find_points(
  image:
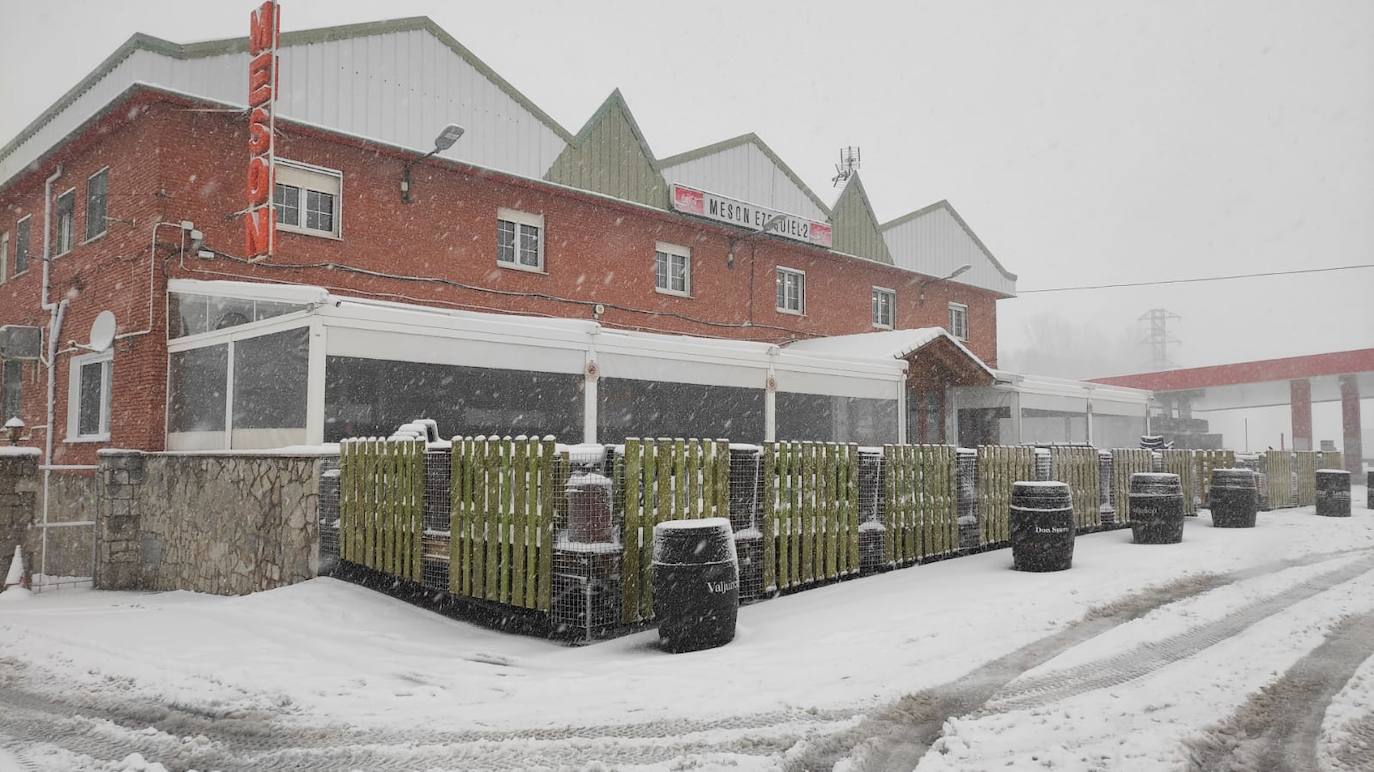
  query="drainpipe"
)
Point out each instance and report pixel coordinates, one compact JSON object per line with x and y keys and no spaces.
{"x":57,"y":311}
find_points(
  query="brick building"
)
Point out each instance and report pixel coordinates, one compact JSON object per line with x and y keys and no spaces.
{"x":127,"y":196}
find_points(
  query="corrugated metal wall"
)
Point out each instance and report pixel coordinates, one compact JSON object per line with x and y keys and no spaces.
{"x":747,"y":173}
{"x":607,"y":156}
{"x":936,"y":244}
{"x":856,"y":229}
{"x":399,"y":87}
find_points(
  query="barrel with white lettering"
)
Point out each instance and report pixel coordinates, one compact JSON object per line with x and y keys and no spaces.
{"x":1156,"y":508}
{"x":1233,"y":498}
{"x":1333,"y":493}
{"x":696,"y":583}
{"x":1042,"y":527}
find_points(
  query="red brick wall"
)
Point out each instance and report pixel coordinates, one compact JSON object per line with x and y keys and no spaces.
{"x":187,"y":165}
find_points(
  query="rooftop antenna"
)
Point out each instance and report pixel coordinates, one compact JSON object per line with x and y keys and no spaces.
{"x":849,"y":163}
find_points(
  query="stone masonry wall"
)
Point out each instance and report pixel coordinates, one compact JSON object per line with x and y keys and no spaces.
{"x":224,"y":524}
{"x":18,"y":504}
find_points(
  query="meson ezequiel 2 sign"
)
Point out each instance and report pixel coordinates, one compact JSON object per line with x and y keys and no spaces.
{"x":260,"y":222}
{"x":746,"y":215}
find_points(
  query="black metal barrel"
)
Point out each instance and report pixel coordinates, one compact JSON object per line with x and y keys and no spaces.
{"x":1233,"y":498}
{"x":1369,"y":489}
{"x":1042,"y":527}
{"x":696,"y":583}
{"x":1156,"y":508}
{"x":1333,"y":493}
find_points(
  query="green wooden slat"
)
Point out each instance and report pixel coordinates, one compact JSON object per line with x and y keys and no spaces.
{"x":722,"y":474}
{"x":808,"y":510}
{"x":769,"y":526}
{"x":630,"y":538}
{"x":652,"y":502}
{"x":547,"y":496}
{"x":682,"y":509}
{"x":691,"y":490}
{"x":854,"y":555}
{"x":519,"y":520}
{"x":503,"y":555}
{"x":784,"y":512}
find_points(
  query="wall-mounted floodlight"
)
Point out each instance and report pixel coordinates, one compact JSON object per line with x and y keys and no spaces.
{"x":922,"y":286}
{"x":444,"y":141}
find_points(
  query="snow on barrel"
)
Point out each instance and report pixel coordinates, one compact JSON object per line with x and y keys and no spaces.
{"x":696,"y":583}
{"x":1233,"y":498}
{"x":1333,"y":493}
{"x":1042,"y":527}
{"x":1156,"y":508}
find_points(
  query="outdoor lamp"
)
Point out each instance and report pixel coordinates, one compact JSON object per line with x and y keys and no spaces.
{"x":922,"y":286}
{"x":443,"y":142}
{"x":13,"y":429}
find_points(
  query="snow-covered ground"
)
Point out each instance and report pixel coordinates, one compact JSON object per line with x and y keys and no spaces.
{"x":1135,"y":659}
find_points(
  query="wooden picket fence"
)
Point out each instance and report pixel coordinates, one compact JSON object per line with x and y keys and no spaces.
{"x":810,"y":513}
{"x":1206,"y":461}
{"x":920,"y":514}
{"x":1181,"y":462}
{"x":503,"y":493}
{"x":1077,"y":466}
{"x":381,"y":505}
{"x":665,"y":479}
{"x":1305,"y":465}
{"x":1000,"y":466}
{"x":1126,"y":462}
{"x":1278,"y":472}
{"x":1332,"y":459}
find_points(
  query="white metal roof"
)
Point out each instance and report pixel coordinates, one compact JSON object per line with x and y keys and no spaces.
{"x":885,"y":344}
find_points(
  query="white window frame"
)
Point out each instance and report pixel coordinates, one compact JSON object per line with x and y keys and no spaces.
{"x":105,"y":219}
{"x":962,"y":310}
{"x":301,"y":176}
{"x":24,"y":224}
{"x":891,"y":308}
{"x":58,"y":250}
{"x":671,"y":251}
{"x":105,"y":358}
{"x":4,"y":257}
{"x":801,"y":294}
{"x":528,"y":219}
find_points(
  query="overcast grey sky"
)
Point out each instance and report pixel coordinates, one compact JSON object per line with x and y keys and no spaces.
{"x":1085,"y":142}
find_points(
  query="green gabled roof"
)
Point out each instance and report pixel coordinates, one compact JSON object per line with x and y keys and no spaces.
{"x":141,"y":42}
{"x":610,"y":155}
{"x":746,"y":139}
{"x":945,"y":205}
{"x":856,"y":230}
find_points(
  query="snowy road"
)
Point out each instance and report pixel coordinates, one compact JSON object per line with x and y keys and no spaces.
{"x":1234,"y":650}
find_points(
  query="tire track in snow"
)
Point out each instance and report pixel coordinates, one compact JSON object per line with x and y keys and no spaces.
{"x":1148,"y":657}
{"x":897,"y":736}
{"x":1277,"y":728}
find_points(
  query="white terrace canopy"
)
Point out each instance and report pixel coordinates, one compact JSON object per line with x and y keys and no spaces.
{"x":259,"y":365}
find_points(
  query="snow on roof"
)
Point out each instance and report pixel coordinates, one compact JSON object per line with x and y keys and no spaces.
{"x":887,"y":344}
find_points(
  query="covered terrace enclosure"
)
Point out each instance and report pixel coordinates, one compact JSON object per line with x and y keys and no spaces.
{"x":261,"y":366}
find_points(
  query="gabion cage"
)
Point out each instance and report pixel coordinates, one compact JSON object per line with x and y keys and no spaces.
{"x":1106,"y":508}
{"x":587,"y":554}
{"x":966,"y":475}
{"x":871,"y":481}
{"x":329,"y":517}
{"x":746,"y":510}
{"x":438,"y":507}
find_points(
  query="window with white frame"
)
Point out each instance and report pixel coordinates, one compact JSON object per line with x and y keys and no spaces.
{"x":672,"y":269}
{"x":88,"y":405}
{"x":14,"y":389}
{"x":97,"y":194}
{"x":791,"y":285}
{"x":308,"y":199}
{"x":883,"y":302}
{"x":958,"y":320}
{"x":520,"y":240}
{"x":66,"y":222}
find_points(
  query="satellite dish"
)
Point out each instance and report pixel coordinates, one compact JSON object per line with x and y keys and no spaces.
{"x":102,"y":331}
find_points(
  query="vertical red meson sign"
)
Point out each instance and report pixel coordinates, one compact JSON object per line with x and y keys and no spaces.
{"x":264,"y":30}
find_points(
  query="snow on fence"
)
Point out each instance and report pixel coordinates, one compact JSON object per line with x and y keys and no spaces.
{"x":1305,"y":466}
{"x":1126,"y":462}
{"x":1077,"y":467}
{"x":381,"y":505}
{"x":921,"y":514}
{"x":810,"y":513}
{"x":664,"y":479}
{"x":1183,"y":463}
{"x":500,"y":539}
{"x":999,"y":467}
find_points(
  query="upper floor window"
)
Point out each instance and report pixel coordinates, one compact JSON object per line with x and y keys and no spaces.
{"x":66,"y":222}
{"x":791,"y":285}
{"x":96,"y":194}
{"x":883,"y":302}
{"x":958,"y":320}
{"x":520,"y":240}
{"x":4,"y":257}
{"x":307,"y":199}
{"x":21,"y":245}
{"x":13,"y":394}
{"x":88,"y":406}
{"x":673,"y":269}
